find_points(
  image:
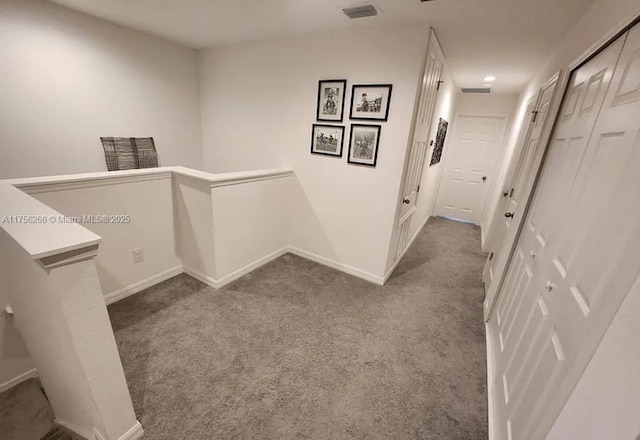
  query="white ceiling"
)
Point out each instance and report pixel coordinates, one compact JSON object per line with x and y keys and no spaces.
{"x":505,"y":38}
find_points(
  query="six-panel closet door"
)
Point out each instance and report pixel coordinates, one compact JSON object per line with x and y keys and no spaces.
{"x":579,"y":250}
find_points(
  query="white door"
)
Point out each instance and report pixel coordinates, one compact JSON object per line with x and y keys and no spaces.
{"x":422,"y":127}
{"x":579,"y":250}
{"x":517,"y":195}
{"x":469,"y":166}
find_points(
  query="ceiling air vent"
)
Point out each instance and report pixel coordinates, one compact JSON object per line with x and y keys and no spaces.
{"x":476,"y":90}
{"x":360,"y":11}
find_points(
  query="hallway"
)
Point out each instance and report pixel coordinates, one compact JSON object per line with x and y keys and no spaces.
{"x":296,"y":350}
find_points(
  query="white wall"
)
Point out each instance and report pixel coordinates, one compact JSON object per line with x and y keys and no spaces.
{"x":148,"y":201}
{"x":194,"y":225}
{"x":14,"y":358}
{"x":430,"y":181}
{"x":250,"y":223}
{"x":258,"y":104}
{"x":606,"y":401}
{"x":67,"y":79}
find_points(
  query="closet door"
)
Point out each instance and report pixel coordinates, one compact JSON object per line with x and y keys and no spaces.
{"x":560,"y":274}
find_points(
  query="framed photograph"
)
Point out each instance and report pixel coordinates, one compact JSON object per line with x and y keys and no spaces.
{"x":370,"y":102}
{"x":331,"y":99}
{"x":436,"y":155}
{"x":327,"y":139}
{"x":363,"y":144}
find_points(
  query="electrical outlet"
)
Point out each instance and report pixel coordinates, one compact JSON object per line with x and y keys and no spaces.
{"x":138,"y":255}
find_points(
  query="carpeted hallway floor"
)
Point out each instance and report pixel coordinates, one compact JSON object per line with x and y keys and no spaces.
{"x":296,"y":350}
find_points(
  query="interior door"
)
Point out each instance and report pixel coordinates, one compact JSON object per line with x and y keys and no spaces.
{"x":469,"y":166}
{"x":578,"y":253}
{"x":518,"y":194}
{"x":422,"y":128}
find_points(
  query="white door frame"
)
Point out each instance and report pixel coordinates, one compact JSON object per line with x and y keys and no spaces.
{"x":448,"y":145}
{"x":433,"y":45}
{"x":508,"y":246}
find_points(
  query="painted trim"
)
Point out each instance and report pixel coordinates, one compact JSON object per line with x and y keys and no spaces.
{"x":66,"y":426}
{"x":236,"y":178}
{"x":136,"y":432}
{"x":490,"y":392}
{"x":388,"y":274}
{"x":69,"y":257}
{"x":201,"y":277}
{"x":31,"y":374}
{"x":606,"y":39}
{"x":141,"y":285}
{"x":408,"y":214}
{"x":65,"y":183}
{"x":338,"y":266}
{"x":483,"y":240}
{"x":250,"y":267}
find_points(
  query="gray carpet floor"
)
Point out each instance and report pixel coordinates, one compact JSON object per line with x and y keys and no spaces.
{"x":25,"y":413}
{"x":296,"y":350}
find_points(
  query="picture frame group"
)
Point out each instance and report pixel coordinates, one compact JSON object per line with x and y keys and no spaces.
{"x":369,"y":102}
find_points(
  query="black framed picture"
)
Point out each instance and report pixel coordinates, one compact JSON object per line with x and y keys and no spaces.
{"x":327,"y":139}
{"x":363,"y":144}
{"x":331,"y":99}
{"x":370,"y":102}
{"x":441,"y":135}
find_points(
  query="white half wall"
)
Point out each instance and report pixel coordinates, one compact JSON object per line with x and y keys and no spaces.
{"x":258,"y":104}
{"x":147,"y":202}
{"x":250,"y":224}
{"x":67,"y":79}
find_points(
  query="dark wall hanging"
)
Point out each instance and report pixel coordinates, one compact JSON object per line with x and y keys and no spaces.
{"x":439,"y":145}
{"x":123,"y":153}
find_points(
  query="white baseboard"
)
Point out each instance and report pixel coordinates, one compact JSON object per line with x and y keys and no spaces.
{"x":338,"y":266}
{"x":490,"y":384}
{"x":33,"y":373}
{"x":201,"y":277}
{"x":74,"y":429}
{"x":250,"y":267}
{"x":136,"y":432}
{"x":395,"y":264}
{"x":141,"y":285}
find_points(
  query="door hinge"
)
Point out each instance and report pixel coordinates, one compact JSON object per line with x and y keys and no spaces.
{"x":418,"y":190}
{"x":439,"y":84}
{"x":535,"y":116}
{"x":491,"y":256}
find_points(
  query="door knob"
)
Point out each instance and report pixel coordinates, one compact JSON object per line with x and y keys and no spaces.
{"x":406,"y":201}
{"x":484,"y":178}
{"x":532,"y":255}
{"x":508,"y":214}
{"x":549,"y":287}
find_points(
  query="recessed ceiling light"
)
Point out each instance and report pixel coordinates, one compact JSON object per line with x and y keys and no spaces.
{"x":489,"y":78}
